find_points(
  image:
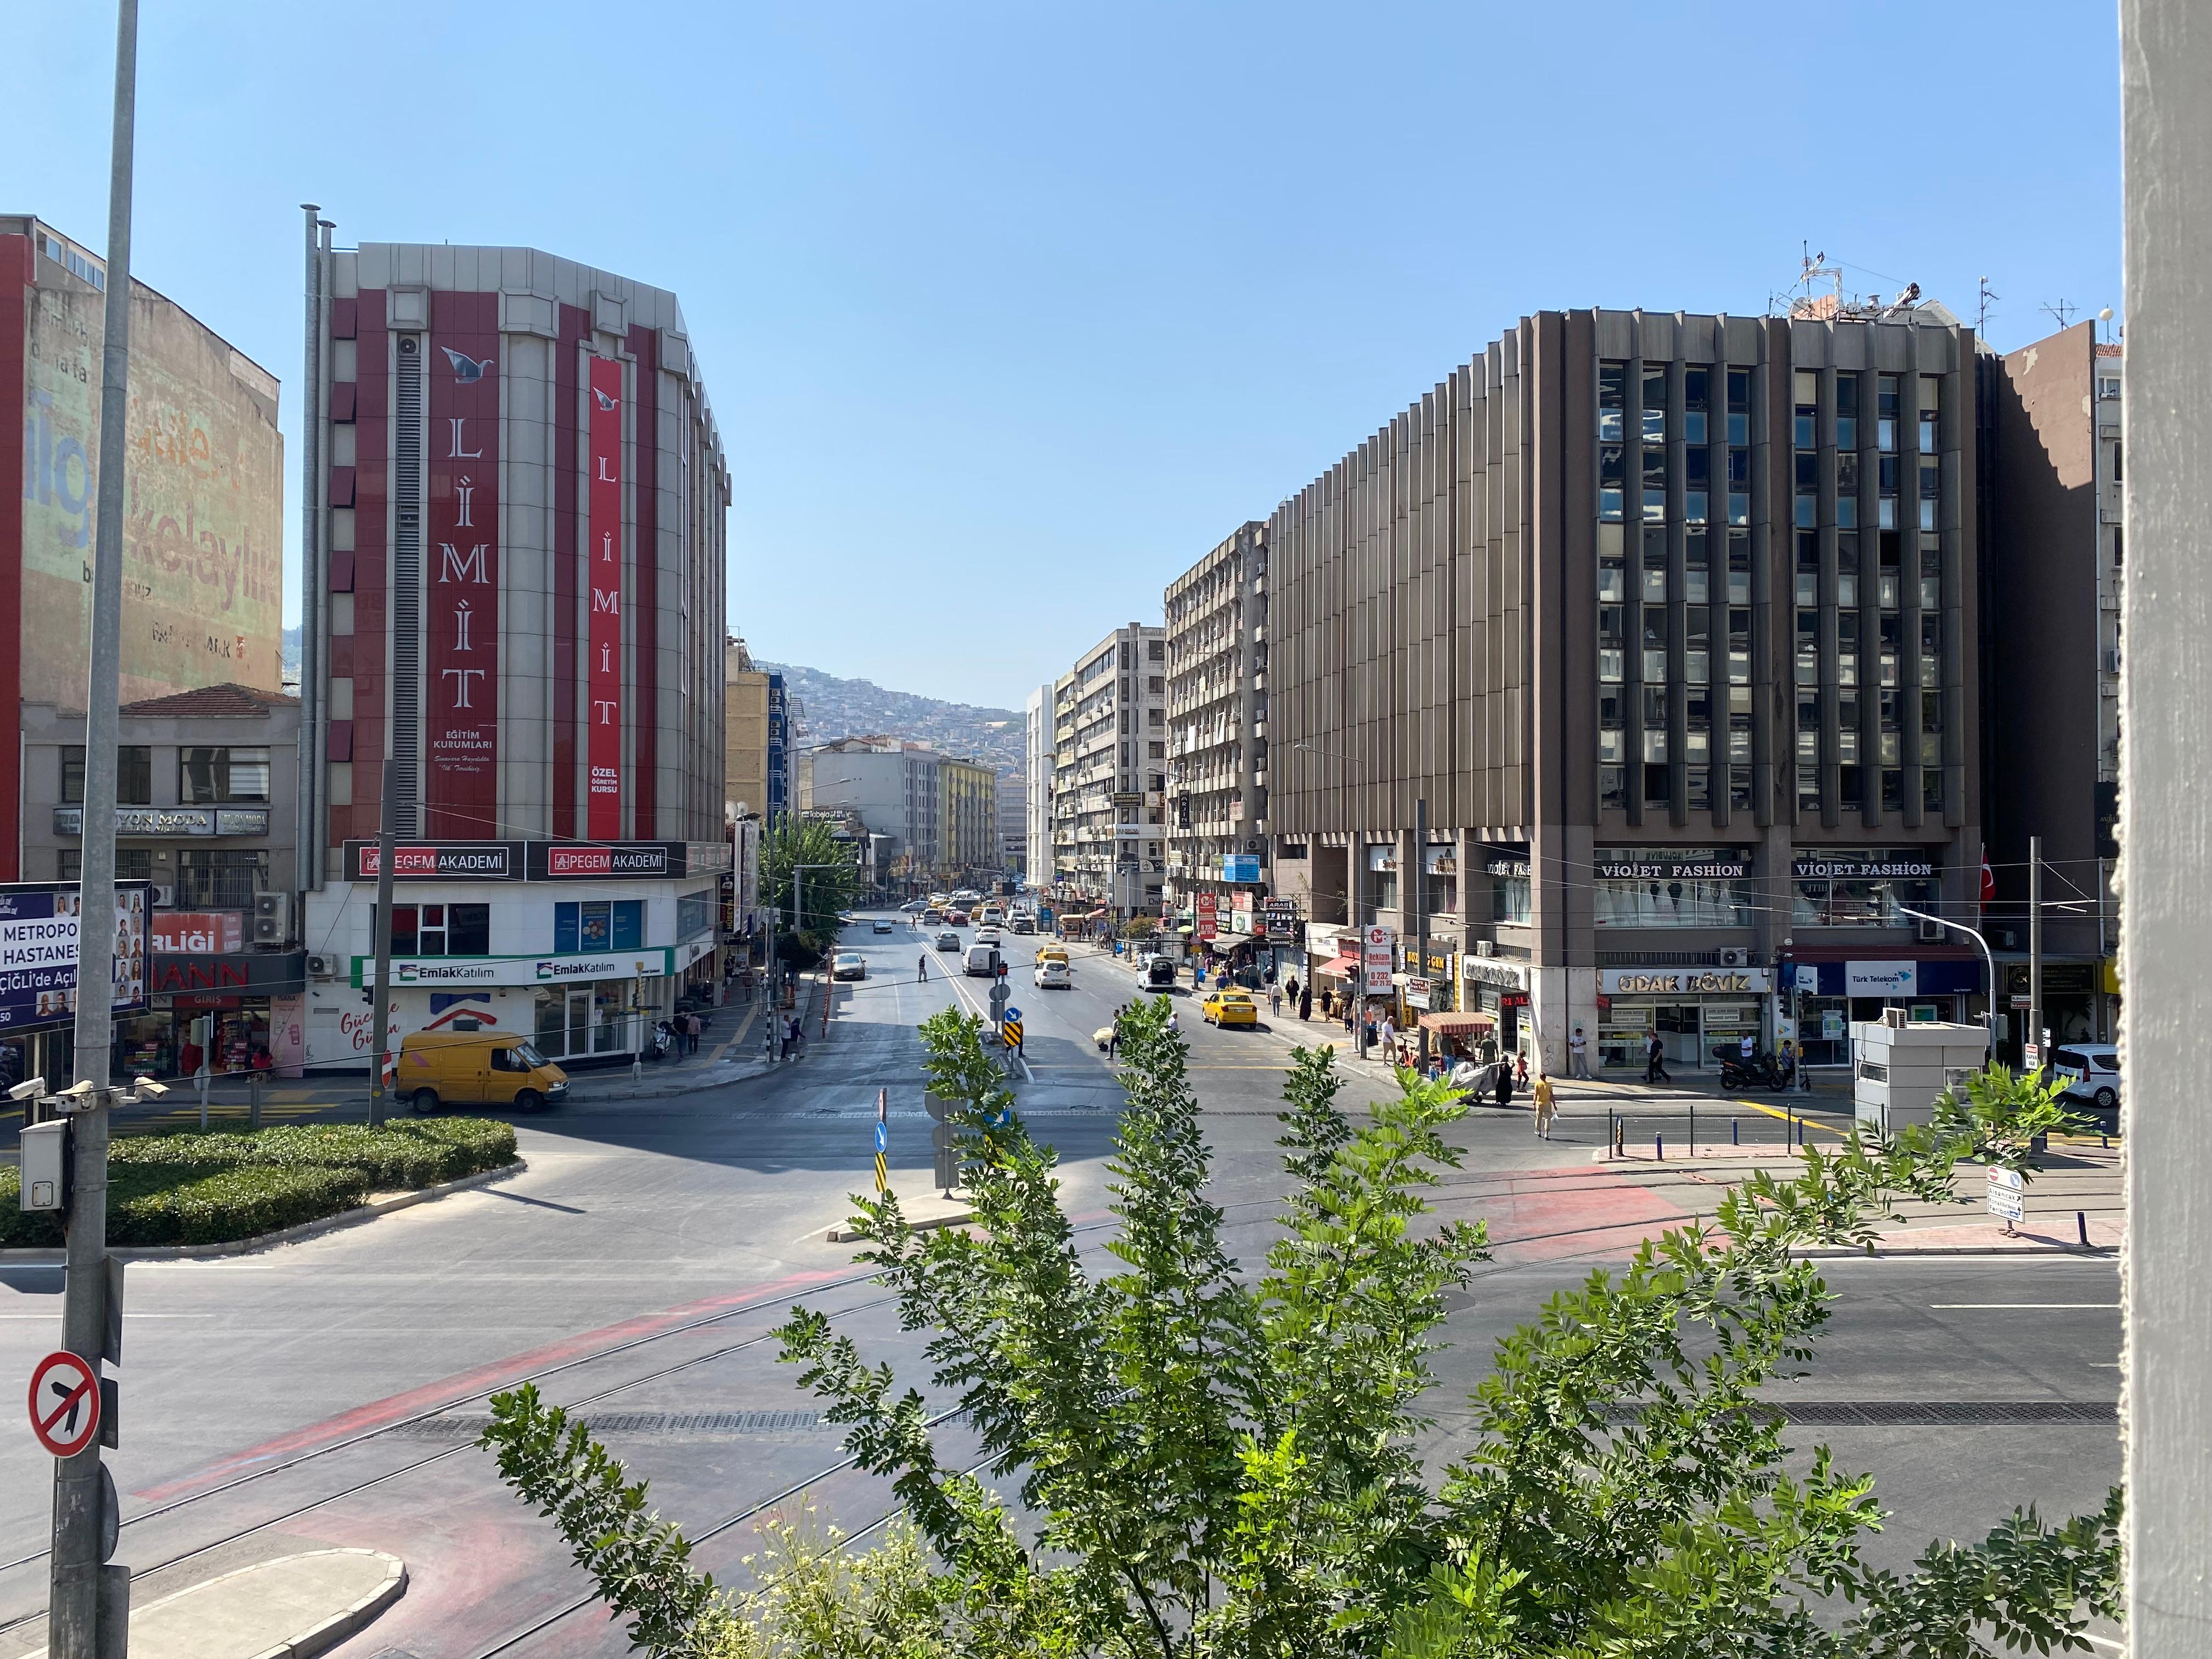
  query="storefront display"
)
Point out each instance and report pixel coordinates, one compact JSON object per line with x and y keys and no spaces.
{"x":1671,"y":887}
{"x":1827,"y":996}
{"x":1692,"y":1010}
{"x":1854,"y":887}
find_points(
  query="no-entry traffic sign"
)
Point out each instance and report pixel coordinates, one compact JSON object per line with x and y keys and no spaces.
{"x":64,"y":1402}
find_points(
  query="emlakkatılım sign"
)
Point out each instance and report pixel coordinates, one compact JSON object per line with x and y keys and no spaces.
{"x":650,"y":963}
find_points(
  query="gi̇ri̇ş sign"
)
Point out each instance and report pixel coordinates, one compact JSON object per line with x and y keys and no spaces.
{"x":39,"y":933}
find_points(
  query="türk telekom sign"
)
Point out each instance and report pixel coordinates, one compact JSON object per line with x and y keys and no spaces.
{"x":603,"y":572}
{"x":461,"y":627}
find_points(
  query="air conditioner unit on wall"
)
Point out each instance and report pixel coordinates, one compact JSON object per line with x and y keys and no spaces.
{"x":272,"y":918}
{"x":323,"y":966}
{"x":1735,"y":957}
{"x":165,"y":897}
{"x":1931,"y":932}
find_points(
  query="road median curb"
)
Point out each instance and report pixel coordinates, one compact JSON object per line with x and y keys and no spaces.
{"x":368,"y":1211}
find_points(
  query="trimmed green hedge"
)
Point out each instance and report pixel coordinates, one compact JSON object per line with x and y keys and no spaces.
{"x":213,"y":1189}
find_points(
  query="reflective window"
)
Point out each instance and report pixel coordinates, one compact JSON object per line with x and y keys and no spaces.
{"x":1612,"y":401}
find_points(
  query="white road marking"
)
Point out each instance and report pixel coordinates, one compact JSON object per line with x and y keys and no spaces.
{"x":1966,"y":1306}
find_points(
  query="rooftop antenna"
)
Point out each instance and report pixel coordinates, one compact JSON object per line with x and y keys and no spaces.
{"x":1989,"y":296}
{"x":2062,"y":310}
{"x":2105,"y":318}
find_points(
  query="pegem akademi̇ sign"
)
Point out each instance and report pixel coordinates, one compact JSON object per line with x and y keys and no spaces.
{"x":603,"y":581}
{"x":445,"y":860}
{"x":461,"y":629}
{"x":555,"y":860}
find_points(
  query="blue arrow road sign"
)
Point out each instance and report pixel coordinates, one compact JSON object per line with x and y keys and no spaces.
{"x":1011,"y":1013}
{"x":883,"y":1137}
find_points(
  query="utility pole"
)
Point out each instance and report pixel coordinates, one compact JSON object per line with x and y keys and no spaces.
{"x":380,"y":995}
{"x":1421,"y":896}
{"x":88,"y":1604}
{"x":2035,"y":951}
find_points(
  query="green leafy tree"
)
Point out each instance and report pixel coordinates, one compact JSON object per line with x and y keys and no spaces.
{"x":2004,"y":1117}
{"x":1179,"y":1461}
{"x":823,"y":890}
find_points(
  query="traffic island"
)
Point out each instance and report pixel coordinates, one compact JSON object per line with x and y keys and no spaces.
{"x":292,"y":1607}
{"x":220,"y":1189}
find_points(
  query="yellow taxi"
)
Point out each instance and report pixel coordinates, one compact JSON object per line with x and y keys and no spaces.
{"x":1230,"y":1008}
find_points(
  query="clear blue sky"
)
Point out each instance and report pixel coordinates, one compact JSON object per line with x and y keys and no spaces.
{"x":1009,"y":313}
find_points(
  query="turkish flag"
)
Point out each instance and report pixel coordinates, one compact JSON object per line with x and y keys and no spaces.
{"x":1989,"y":882}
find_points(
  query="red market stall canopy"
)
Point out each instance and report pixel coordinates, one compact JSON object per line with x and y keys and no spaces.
{"x":1465,"y":1024}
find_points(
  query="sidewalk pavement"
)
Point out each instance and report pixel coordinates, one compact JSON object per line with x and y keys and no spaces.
{"x":2078,"y":1195}
{"x":729,"y":1053}
{"x":291,"y":1608}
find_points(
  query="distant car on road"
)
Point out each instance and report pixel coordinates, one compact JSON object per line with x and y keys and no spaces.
{"x":987,"y":935}
{"x":914,"y":906}
{"x":956,"y":918}
{"x":1023,"y":924}
{"x":881,"y":927}
{"x":978,"y":960}
{"x":2092,"y":1071}
{"x":1160,"y":974}
{"x":948,"y":940}
{"x":848,"y":964}
{"x":1053,"y":976}
{"x":1230,"y":1008}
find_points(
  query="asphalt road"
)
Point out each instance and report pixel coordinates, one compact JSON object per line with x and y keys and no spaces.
{"x":326,"y":1392}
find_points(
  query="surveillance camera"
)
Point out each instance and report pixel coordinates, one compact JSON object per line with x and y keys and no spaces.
{"x":29,"y":1089}
{"x":78,"y":1089}
{"x":148,"y":1084}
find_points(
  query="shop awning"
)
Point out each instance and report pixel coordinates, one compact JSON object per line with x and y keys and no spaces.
{"x":1463,"y":1023}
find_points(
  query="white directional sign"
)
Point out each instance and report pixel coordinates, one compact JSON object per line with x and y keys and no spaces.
{"x":2007,"y":1194}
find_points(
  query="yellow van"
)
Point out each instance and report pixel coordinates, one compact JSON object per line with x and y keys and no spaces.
{"x":475,"y":1069}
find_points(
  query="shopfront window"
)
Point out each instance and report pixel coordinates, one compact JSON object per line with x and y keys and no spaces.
{"x":1511,"y":898}
{"x":599,"y":924}
{"x":1672,"y":887}
{"x":220,"y":878}
{"x":205,"y":776}
{"x":440,"y":930}
{"x":134,"y":775}
{"x":1862,"y":887}
{"x":1382,"y":877}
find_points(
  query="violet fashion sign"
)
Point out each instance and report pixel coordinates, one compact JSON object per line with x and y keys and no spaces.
{"x":1686,"y":864}
{"x":461,"y":545}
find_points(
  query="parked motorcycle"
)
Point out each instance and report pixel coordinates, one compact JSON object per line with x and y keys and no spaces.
{"x":1759,"y":1071}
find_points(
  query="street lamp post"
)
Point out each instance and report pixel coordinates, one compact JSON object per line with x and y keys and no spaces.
{"x":1990,"y":1013}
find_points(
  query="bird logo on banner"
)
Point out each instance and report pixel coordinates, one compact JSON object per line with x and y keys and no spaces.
{"x":467,"y":371}
{"x":605,"y":402}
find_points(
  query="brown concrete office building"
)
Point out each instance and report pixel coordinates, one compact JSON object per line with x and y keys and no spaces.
{"x":1670,"y":622}
{"x":2053,"y":719}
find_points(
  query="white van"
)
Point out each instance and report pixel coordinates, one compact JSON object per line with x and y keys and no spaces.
{"x":979,"y":959}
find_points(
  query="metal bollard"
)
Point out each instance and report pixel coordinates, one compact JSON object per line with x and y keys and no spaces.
{"x":1735,"y":1134}
{"x":1659,"y":1148}
{"x":254,"y":1101}
{"x":1610,"y":1147}
{"x":2081,"y":1226}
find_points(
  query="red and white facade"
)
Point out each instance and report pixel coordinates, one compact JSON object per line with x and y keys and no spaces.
{"x":515,"y":579}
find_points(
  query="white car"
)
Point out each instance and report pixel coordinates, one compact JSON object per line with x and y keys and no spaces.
{"x":2092,"y":1071}
{"x":987,"y":935}
{"x":1053,"y":976}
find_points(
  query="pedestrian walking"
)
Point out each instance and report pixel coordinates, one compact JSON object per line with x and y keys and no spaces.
{"x":1505,"y":1084}
{"x":921,"y":967}
{"x":1545,"y":1108}
{"x":1654,"y":1060}
{"x":1347,"y":1016}
{"x":1275,"y":1001}
{"x":1389,"y":1032}
{"x":786,"y":1026}
{"x":1578,"y":1054}
{"x":1521,"y":1069}
{"x":1290,"y":987}
{"x":1305,"y":1003}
